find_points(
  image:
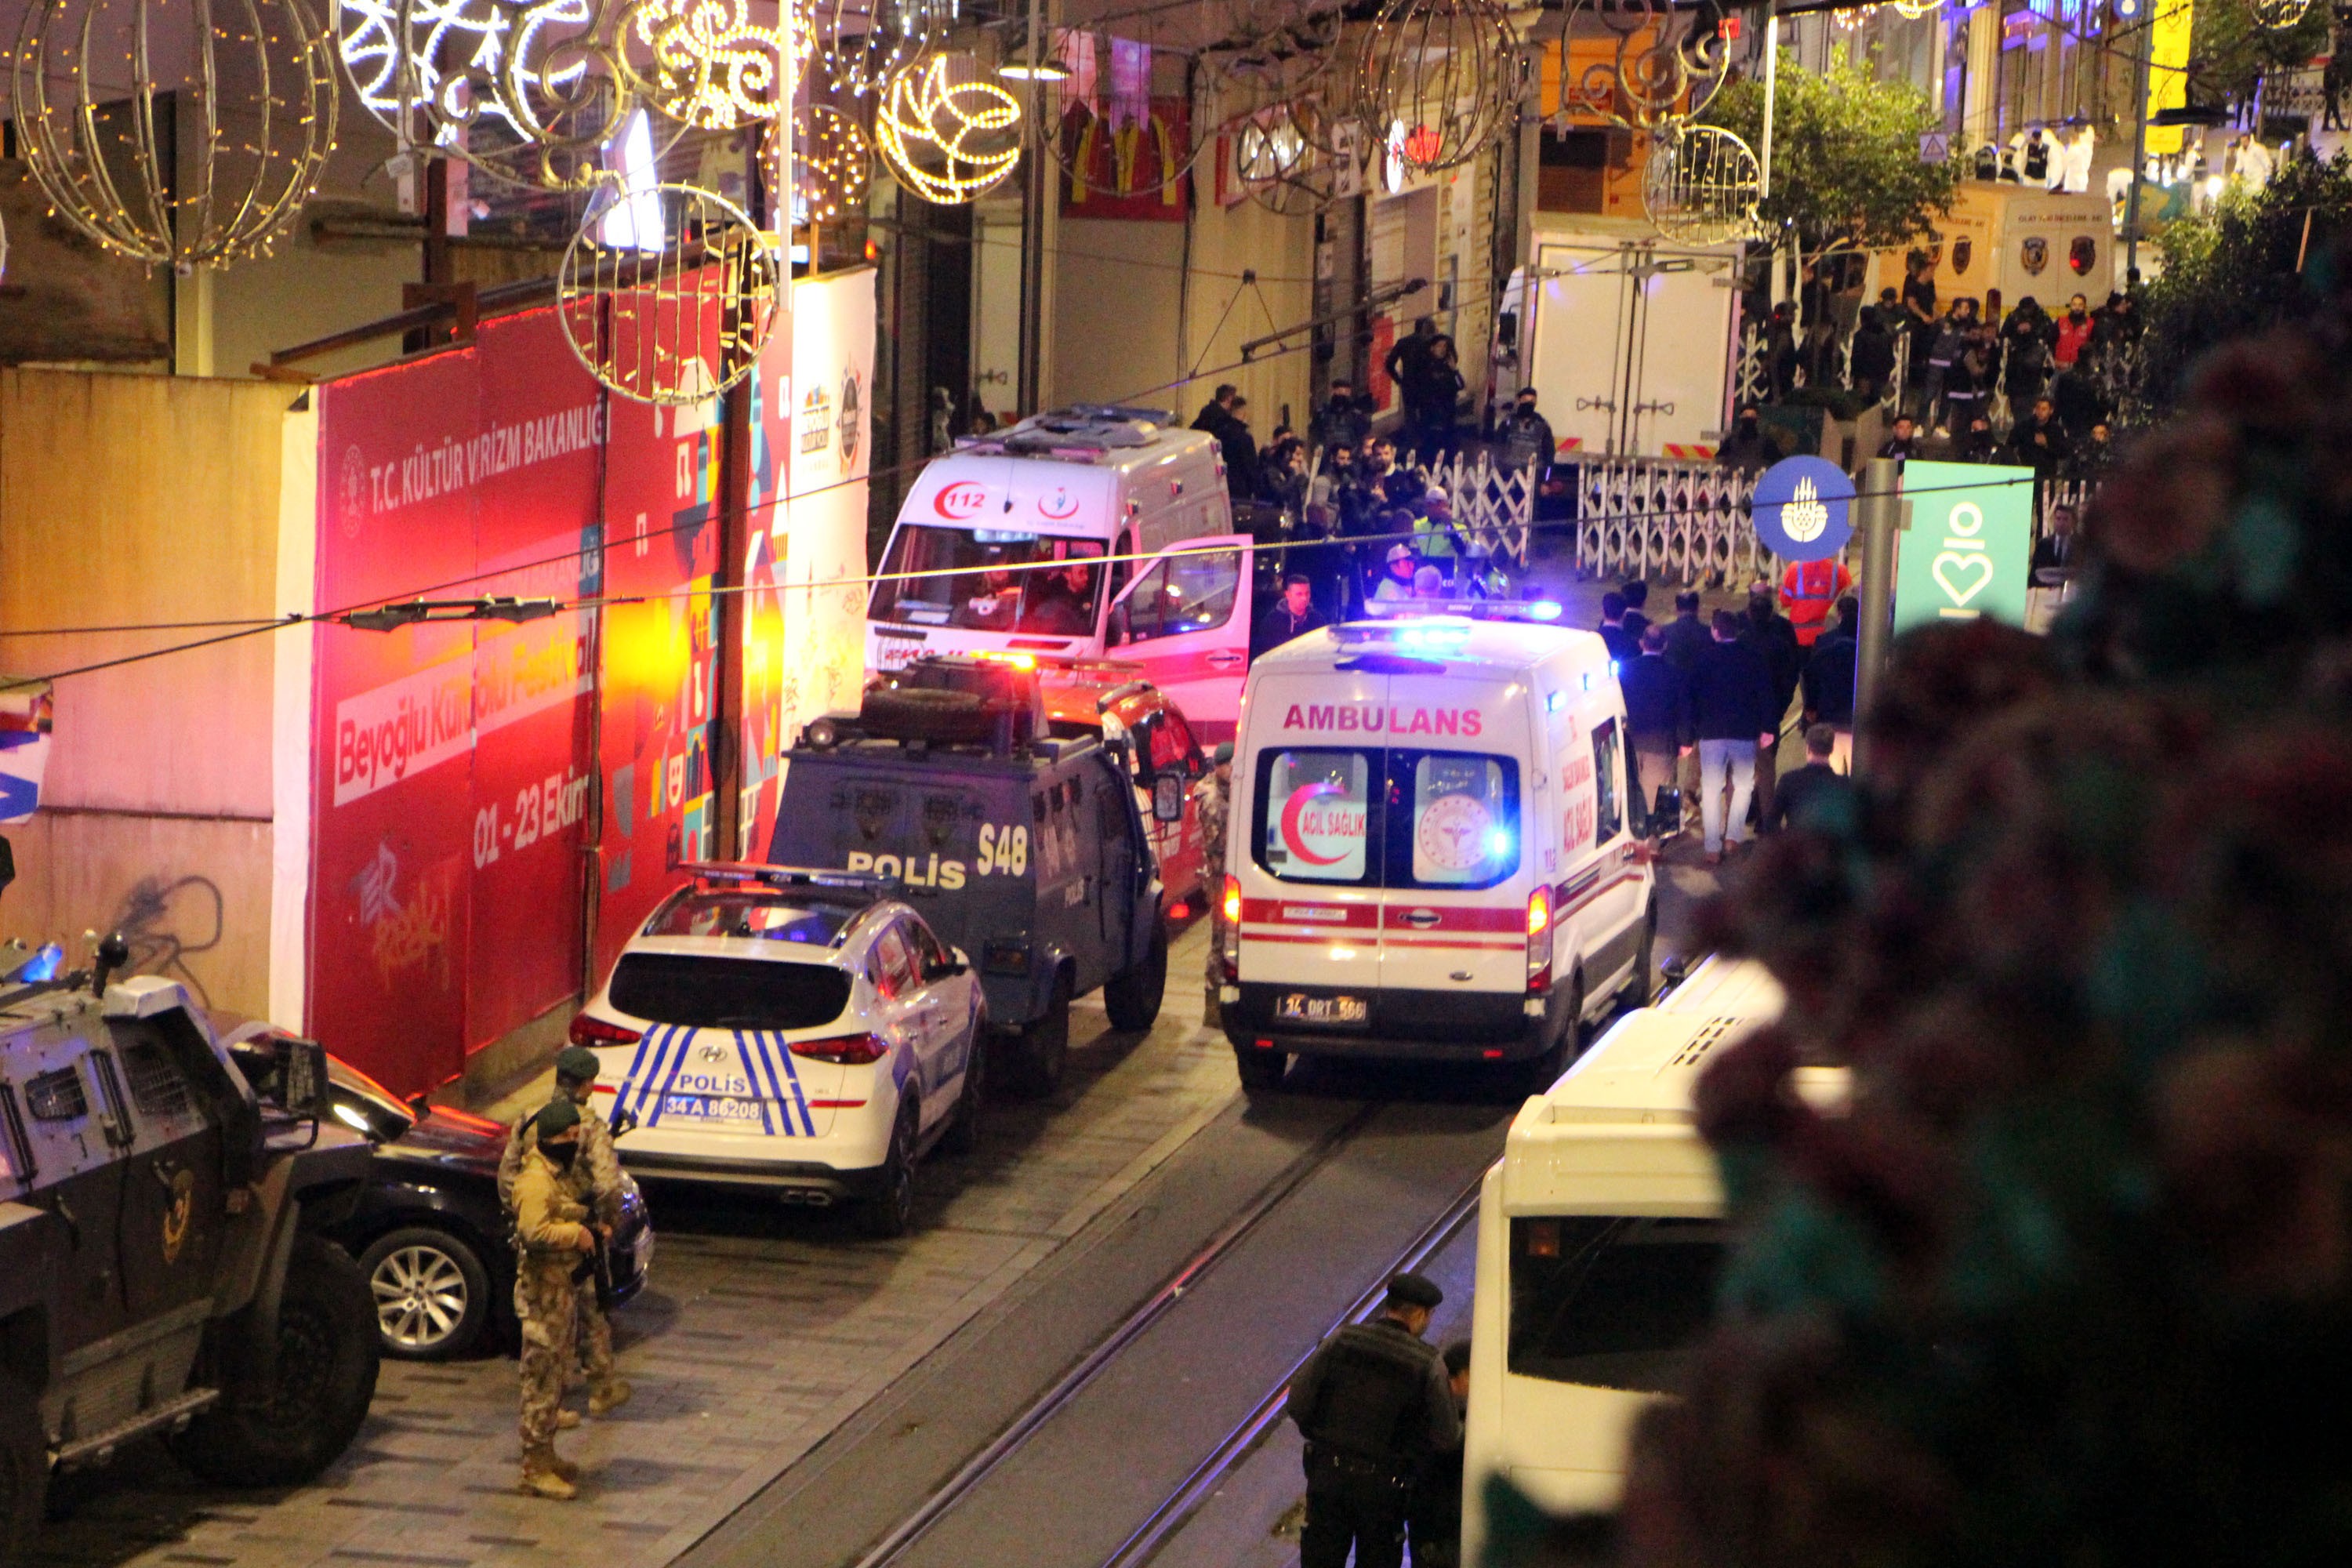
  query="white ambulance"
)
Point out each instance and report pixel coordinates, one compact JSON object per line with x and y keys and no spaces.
{"x":1430,"y":852}
{"x":1075,"y":533}
{"x":1600,"y":1242}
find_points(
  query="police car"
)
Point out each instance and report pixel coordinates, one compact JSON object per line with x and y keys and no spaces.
{"x":798,"y":1032}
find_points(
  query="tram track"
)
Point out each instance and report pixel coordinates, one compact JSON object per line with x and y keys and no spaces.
{"x":902,"y":1538}
{"x":1170,"y":1517}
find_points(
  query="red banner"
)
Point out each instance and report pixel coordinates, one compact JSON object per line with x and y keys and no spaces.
{"x":660,"y":679}
{"x":452,"y":768}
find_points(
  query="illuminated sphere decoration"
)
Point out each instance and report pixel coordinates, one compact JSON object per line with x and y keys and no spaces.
{"x":863,"y":44}
{"x":256,"y":95}
{"x":1444,"y":69}
{"x":529,"y":91}
{"x":1666,"y":64}
{"x":667,"y":293}
{"x":1702,"y":186}
{"x":2279,"y":15}
{"x":1912,"y":10}
{"x":945,"y":130}
{"x":710,"y":65}
{"x":833,"y":164}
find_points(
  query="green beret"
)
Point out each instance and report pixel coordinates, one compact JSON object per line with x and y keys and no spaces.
{"x":578,"y":1064}
{"x":557,"y":1117}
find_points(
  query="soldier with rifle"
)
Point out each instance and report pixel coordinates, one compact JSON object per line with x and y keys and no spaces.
{"x":593,"y":1180}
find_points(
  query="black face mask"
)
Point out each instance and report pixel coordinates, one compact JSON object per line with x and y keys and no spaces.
{"x":2076,"y":316}
{"x":1747,"y":425}
{"x":1527,"y":409}
{"x":561,"y":1154}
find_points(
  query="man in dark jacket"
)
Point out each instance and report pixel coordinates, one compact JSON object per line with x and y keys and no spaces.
{"x":1434,"y":1517}
{"x":1637,"y":600}
{"x":1526,"y":437}
{"x":2040,"y":441}
{"x":1291,"y":615}
{"x":1685,"y":633}
{"x":1375,"y":1407}
{"x":1748,"y":448}
{"x":1808,"y":790}
{"x":1730,"y":722}
{"x":1340,"y":423}
{"x":1217,"y":410}
{"x":1622,"y":647}
{"x":1239,"y":448}
{"x":1829,"y":682}
{"x":1655,"y":697}
{"x":1774,"y":635}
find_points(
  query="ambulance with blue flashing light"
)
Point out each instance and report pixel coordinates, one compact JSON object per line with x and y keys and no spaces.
{"x":803,"y":1033}
{"x":1075,"y":532}
{"x":1432,"y":851}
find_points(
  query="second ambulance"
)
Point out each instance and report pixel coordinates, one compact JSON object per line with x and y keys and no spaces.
{"x":1431,"y":850}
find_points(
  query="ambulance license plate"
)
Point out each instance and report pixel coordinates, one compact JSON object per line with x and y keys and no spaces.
{"x":1297,"y":1007}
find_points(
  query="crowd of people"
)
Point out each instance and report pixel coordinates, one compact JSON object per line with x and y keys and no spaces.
{"x":1966,"y":379}
{"x":1705,"y":700}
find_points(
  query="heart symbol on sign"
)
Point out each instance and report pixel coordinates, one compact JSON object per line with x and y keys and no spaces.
{"x":1979,"y":564}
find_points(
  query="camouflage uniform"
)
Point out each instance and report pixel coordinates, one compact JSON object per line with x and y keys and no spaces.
{"x":593,"y":1180}
{"x":1214,"y":796}
{"x":549,"y":1225}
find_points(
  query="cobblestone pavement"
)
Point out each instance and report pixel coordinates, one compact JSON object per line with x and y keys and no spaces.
{"x":759,"y":1331}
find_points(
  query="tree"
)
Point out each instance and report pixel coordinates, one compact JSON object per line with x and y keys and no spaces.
{"x":2054,"y":1287}
{"x":2233,"y":271}
{"x":2232,"y":49}
{"x":1848,"y":172}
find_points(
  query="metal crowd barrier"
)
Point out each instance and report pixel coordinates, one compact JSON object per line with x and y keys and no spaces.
{"x":1687,"y":522}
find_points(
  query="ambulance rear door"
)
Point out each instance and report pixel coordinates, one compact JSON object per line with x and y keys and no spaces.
{"x":1455,"y":910}
{"x":1186,"y":620}
{"x":1601,"y":900}
{"x":1309,"y":852}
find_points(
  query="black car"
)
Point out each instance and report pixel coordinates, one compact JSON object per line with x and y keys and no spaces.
{"x":429,"y":1230}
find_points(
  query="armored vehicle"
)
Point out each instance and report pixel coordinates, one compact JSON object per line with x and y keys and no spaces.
{"x":1027,"y":852}
{"x":161,"y":1269}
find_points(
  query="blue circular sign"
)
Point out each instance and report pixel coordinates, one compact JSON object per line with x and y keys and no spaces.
{"x":1804,"y":509}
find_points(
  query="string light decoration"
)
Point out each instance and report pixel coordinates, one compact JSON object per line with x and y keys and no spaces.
{"x":259,"y":87}
{"x":1912,"y":10}
{"x":864,"y":43}
{"x":945,"y":130}
{"x":1444,"y":71}
{"x":1702,"y":186}
{"x":667,"y":293}
{"x":1666,"y":62}
{"x":711,"y":65}
{"x":833,"y":164}
{"x":529,"y":91}
{"x":1295,"y":160}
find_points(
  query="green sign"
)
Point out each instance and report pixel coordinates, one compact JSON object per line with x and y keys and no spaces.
{"x":1968,"y":549}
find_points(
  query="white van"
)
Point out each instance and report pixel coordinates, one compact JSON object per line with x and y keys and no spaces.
{"x":1124,"y":521}
{"x":1430,"y":852}
{"x":1600,"y":1239}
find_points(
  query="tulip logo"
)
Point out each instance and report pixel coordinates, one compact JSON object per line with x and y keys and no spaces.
{"x":1805,"y":516}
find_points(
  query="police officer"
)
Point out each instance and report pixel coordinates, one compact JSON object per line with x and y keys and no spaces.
{"x":594,"y":1179}
{"x":1375,"y":1406}
{"x":1214,"y":796}
{"x":551,"y":1237}
{"x":1433,"y":1517}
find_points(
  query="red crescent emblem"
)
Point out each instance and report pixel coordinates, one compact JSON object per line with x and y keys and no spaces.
{"x":1299,"y":802}
{"x":1060,"y":498}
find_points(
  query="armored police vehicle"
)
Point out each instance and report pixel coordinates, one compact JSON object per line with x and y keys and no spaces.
{"x":1027,"y":852}
{"x":161,"y":1266}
